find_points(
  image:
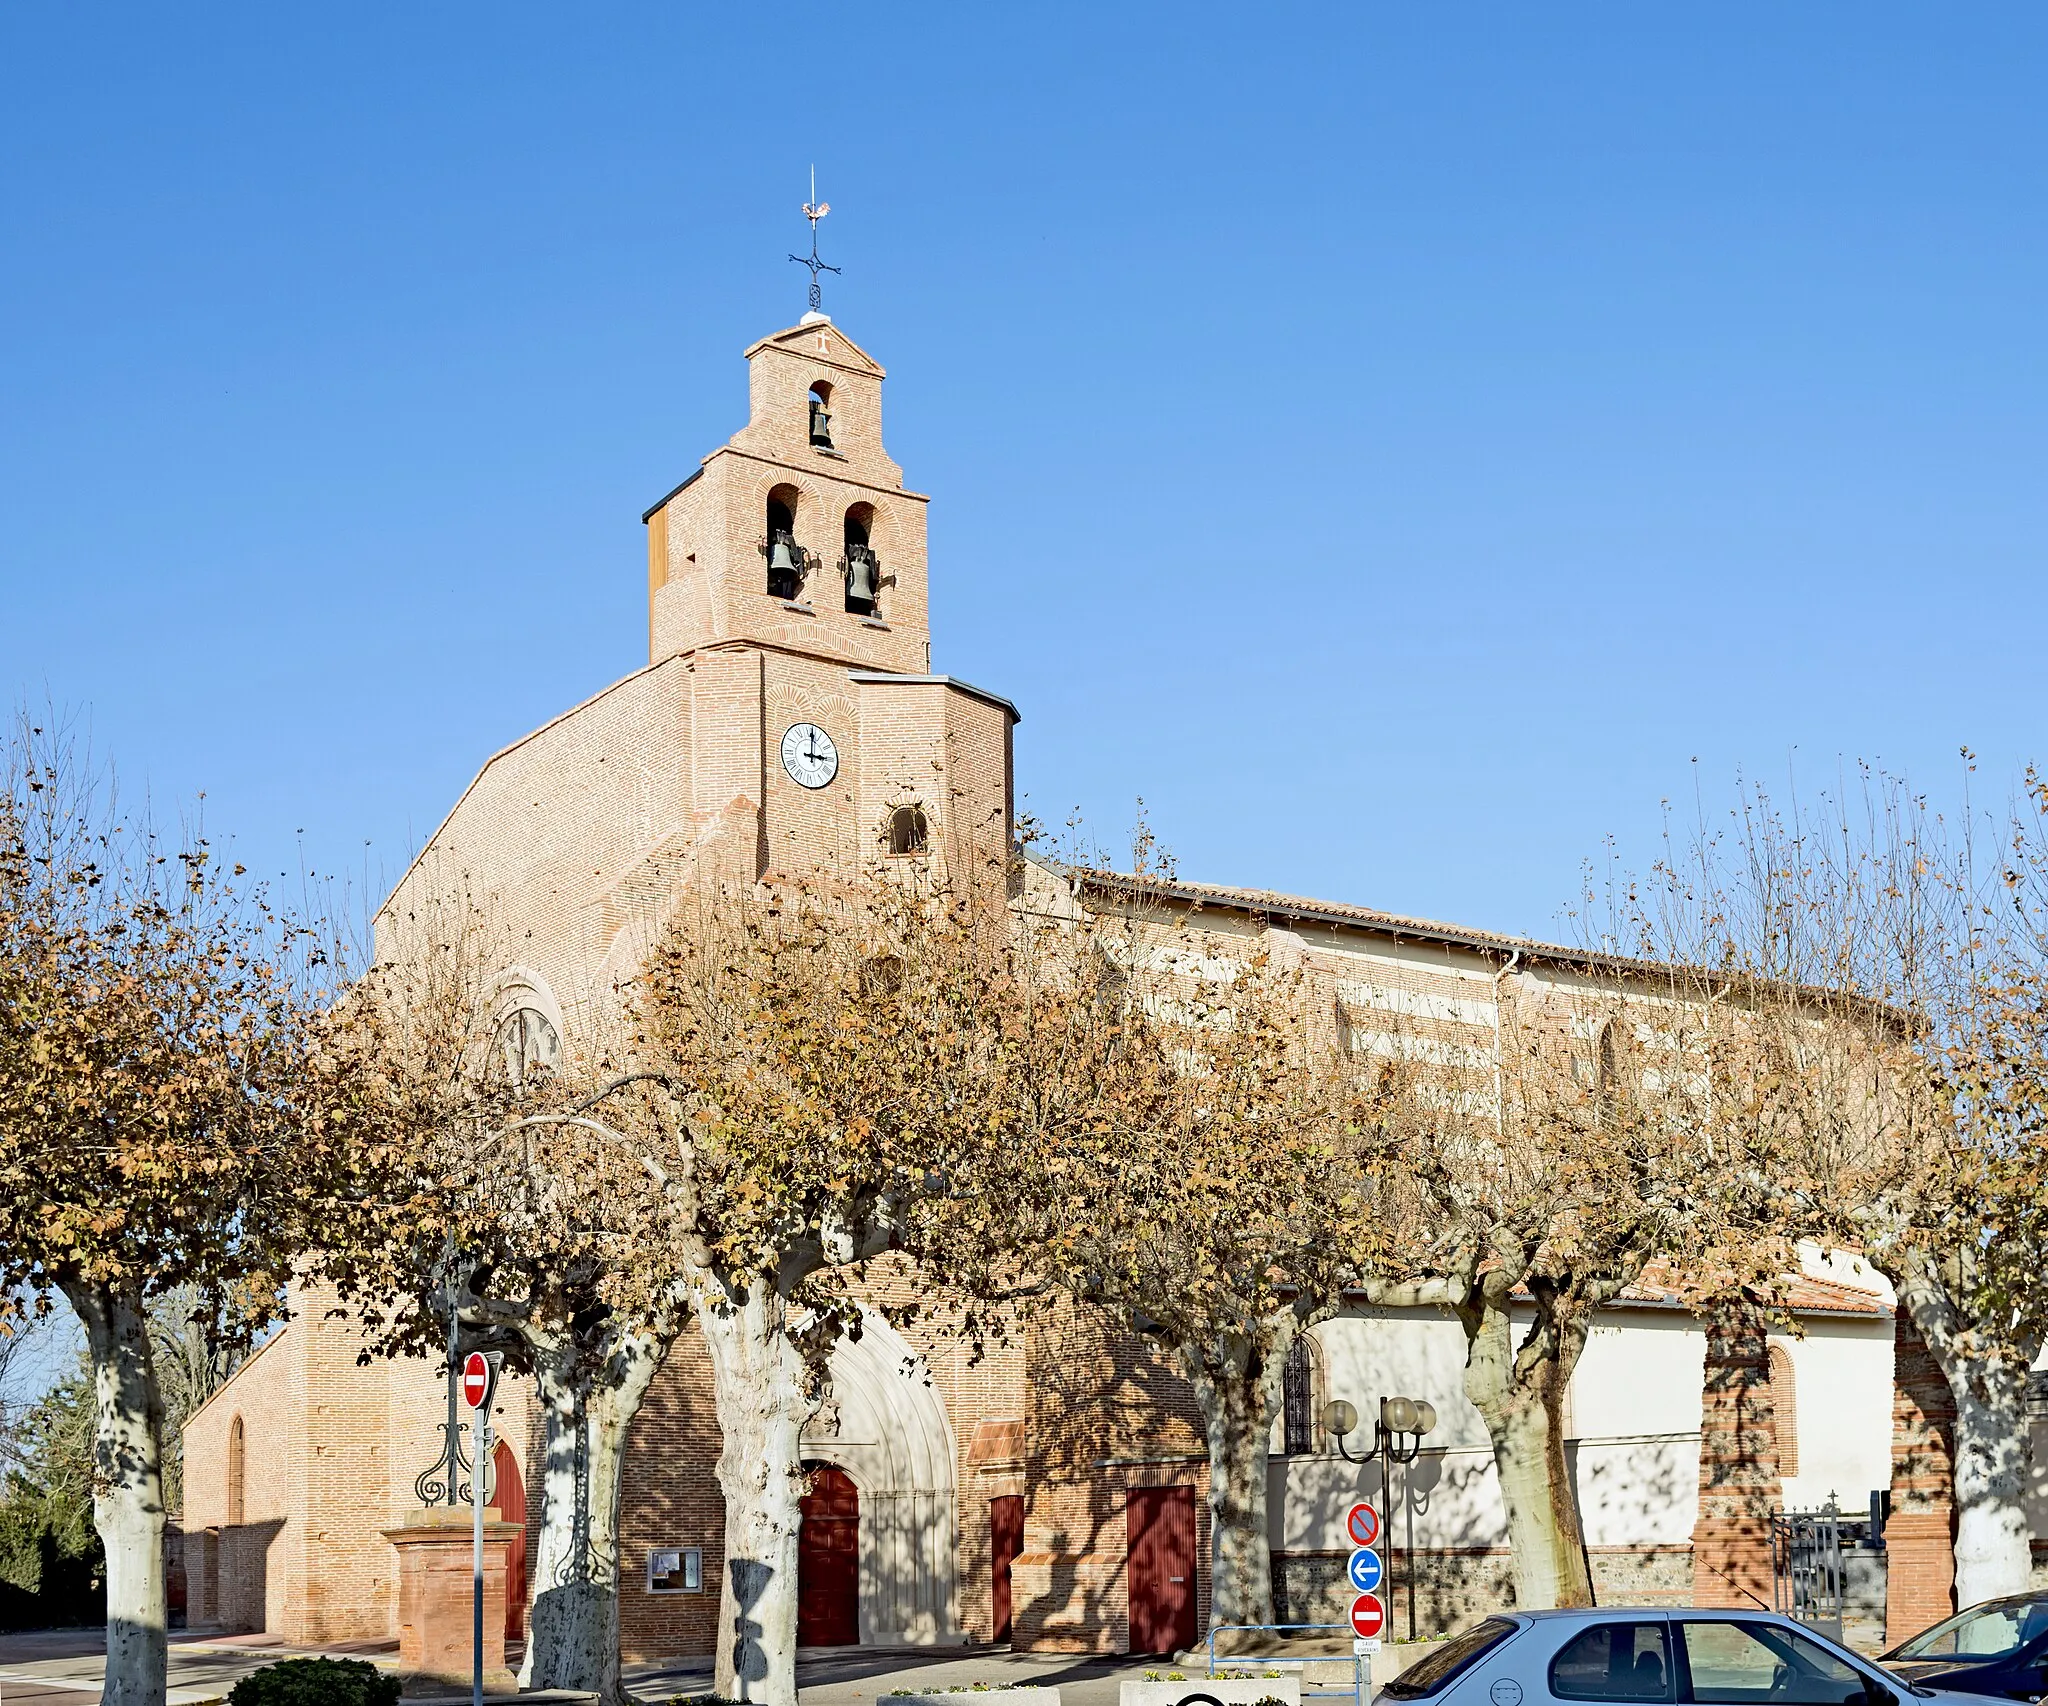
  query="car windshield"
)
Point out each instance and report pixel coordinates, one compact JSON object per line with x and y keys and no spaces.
{"x":1426,"y":1675}
{"x":1982,"y":1632}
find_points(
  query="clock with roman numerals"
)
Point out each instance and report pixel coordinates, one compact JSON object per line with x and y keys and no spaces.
{"x":809,"y":756}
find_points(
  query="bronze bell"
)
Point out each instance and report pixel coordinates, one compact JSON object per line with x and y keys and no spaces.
{"x":861,"y":575}
{"x":785,"y":566}
{"x":821,"y":426}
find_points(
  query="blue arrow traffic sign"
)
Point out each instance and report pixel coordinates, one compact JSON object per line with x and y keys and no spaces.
{"x":1365,"y":1570}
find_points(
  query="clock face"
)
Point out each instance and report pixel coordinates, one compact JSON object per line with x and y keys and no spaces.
{"x":809,"y":756}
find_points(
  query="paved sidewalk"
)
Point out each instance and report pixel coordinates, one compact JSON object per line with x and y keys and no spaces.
{"x":64,"y":1667}
{"x":855,"y":1676}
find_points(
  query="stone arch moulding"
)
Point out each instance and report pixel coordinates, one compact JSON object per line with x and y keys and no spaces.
{"x":784,"y":485}
{"x":515,"y":990}
{"x":516,"y":987}
{"x":883,"y":1423}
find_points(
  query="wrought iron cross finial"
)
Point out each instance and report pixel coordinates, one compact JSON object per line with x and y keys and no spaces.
{"x":815,"y":210}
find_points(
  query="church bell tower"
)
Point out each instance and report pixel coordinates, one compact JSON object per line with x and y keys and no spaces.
{"x":797,"y":532}
{"x":786,"y":586}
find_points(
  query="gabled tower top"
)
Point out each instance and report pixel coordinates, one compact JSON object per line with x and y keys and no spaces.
{"x":797,"y":532}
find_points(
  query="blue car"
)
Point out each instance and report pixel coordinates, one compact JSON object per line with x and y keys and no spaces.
{"x":1999,"y":1648}
{"x":1650,"y":1658}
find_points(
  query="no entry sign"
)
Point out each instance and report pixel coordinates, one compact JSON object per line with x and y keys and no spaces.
{"x":1363,"y":1525}
{"x":1368,"y":1616}
{"x":478,"y":1377}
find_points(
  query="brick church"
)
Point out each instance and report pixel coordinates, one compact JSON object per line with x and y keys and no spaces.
{"x":1054,"y":1494}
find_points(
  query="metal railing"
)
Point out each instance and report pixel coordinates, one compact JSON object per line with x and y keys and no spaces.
{"x":1361,"y":1667}
{"x":1806,"y":1566}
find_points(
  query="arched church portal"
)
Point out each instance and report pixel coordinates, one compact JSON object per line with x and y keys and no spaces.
{"x":883,"y":1424}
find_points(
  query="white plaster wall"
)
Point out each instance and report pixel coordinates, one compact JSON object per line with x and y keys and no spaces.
{"x":1842,"y":1372}
{"x":1846,"y":1267}
{"x":1640,"y":1374}
{"x":1635,"y":1414}
{"x":2037,"y":1480}
{"x":1634,"y":1421}
{"x":1367,"y":1355}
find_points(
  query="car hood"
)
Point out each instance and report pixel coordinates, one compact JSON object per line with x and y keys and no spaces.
{"x":1950,"y":1673}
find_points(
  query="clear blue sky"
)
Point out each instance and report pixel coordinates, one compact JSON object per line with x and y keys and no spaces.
{"x":1395,"y":441}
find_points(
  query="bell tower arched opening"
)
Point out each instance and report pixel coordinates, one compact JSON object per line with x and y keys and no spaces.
{"x":785,"y":556}
{"x":821,"y":414}
{"x":862,"y":567}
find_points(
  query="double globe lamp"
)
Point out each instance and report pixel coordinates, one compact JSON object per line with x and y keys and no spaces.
{"x":1397,"y":1437}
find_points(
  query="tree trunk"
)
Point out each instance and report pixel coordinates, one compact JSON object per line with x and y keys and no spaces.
{"x":127,"y":1490}
{"x":1989,"y":1382}
{"x":1520,"y":1396}
{"x":760,"y":1386}
{"x":1240,"y":1395}
{"x":587,"y":1408}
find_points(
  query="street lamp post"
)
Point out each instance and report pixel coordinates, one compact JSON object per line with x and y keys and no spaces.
{"x":1396,"y":1438}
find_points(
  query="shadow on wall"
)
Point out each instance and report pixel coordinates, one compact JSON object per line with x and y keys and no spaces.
{"x":750,"y":1580}
{"x":670,"y":1501}
{"x":1637,"y":1492}
{"x":1099,"y":1395}
{"x":227,"y":1576}
{"x":1462,"y":1568}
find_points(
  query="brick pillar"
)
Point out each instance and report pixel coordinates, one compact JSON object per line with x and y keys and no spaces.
{"x":436,"y":1604}
{"x":1739,"y":1486}
{"x":1919,"y":1538}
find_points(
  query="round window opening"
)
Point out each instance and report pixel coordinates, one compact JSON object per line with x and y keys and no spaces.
{"x":528,"y":1045}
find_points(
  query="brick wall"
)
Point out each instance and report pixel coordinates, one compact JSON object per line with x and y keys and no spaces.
{"x":707,"y":574}
{"x":330,"y":1448}
{"x":235,"y":1570}
{"x":1920,"y":1536}
{"x":1739,"y":1485}
{"x":671,"y":1497}
{"x":1106,"y":1415}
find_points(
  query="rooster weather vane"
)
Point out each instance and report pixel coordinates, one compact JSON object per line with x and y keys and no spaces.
{"x":815,"y":210}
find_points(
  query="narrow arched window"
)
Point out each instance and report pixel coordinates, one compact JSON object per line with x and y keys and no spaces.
{"x":237,"y":1472}
{"x":785,"y":556}
{"x":821,"y":415}
{"x":1785,"y":1410}
{"x":528,"y":1046}
{"x":1298,"y":1404}
{"x":908,"y":830}
{"x":862,"y":567}
{"x":1605,"y":1074}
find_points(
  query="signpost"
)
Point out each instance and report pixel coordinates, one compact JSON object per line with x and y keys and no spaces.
{"x":1365,"y":1572}
{"x":1368,"y":1617}
{"x":479,"y":1381}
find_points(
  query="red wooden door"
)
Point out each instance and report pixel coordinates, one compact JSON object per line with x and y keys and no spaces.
{"x":828,"y":1560}
{"x":1161,"y":1575}
{"x":1006,"y":1540}
{"x":508,"y":1493}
